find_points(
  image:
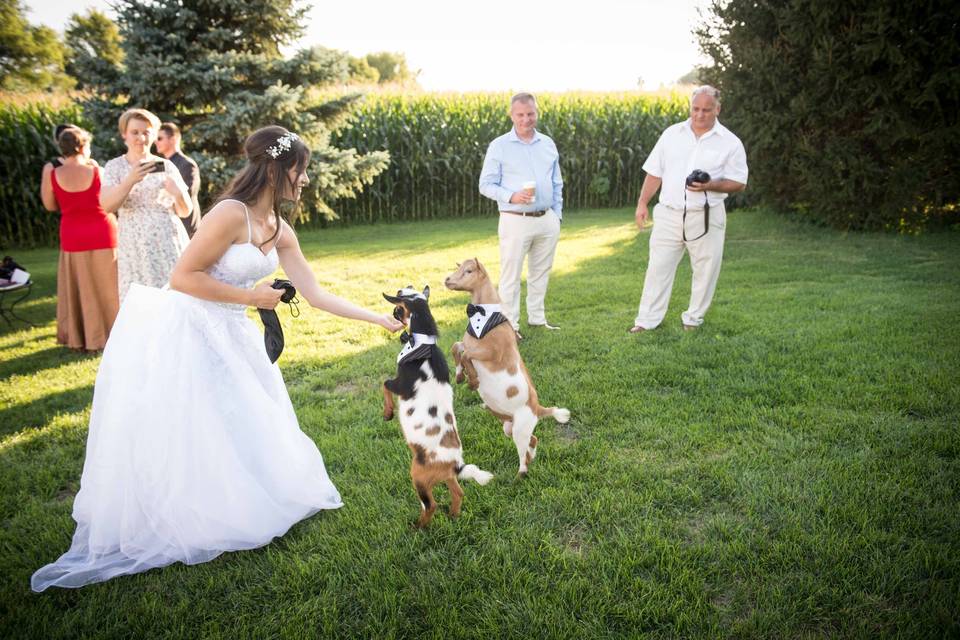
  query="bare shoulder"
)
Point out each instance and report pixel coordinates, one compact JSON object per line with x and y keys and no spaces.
{"x":225,"y":216}
{"x":288,"y":237}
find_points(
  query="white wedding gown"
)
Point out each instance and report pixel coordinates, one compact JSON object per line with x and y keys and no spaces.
{"x":194,"y":448}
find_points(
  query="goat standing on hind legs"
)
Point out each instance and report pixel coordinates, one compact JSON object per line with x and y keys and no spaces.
{"x":490,"y":360}
{"x":426,"y":407}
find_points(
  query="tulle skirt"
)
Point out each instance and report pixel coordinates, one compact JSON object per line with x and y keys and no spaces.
{"x":194,"y":448}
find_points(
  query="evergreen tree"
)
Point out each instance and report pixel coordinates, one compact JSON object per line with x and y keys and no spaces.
{"x":216,"y":68}
{"x":850,"y":111}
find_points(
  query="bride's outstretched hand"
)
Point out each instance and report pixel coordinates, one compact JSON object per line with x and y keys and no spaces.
{"x":390,"y":323}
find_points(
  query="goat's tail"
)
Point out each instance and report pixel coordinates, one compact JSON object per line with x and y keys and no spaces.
{"x":475,"y":473}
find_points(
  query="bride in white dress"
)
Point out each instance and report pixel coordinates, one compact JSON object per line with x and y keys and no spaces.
{"x":194,"y":448}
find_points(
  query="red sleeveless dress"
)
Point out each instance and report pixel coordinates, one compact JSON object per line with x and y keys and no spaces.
{"x":84,"y":225}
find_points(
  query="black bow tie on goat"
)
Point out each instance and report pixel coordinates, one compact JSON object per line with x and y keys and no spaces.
{"x":474,"y":309}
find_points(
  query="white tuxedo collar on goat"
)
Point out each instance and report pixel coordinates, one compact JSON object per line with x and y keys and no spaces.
{"x":484,"y":318}
{"x":410,"y":293}
{"x":417,"y":347}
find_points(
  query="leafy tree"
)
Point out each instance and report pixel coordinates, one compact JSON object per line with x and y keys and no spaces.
{"x":849,"y":110}
{"x":361,"y":71}
{"x":690,"y":77}
{"x":30,"y":57}
{"x":93,"y":48}
{"x":391,"y":66}
{"x":216,"y":68}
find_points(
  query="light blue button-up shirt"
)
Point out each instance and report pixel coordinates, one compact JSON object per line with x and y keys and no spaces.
{"x":510,"y":162}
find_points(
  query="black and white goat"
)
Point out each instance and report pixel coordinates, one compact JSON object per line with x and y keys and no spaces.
{"x":426,"y":406}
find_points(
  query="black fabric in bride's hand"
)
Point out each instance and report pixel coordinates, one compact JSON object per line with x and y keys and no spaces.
{"x":272,"y":331}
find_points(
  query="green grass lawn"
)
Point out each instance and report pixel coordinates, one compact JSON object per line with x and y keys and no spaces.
{"x":790,"y":470}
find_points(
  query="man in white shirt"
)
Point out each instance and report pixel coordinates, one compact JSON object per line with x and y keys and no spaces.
{"x":688,"y":216}
{"x":521,"y":173}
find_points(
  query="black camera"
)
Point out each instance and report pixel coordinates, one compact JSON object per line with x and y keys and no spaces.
{"x":698,"y":175}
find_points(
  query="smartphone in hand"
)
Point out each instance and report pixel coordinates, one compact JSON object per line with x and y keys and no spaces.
{"x":156,"y":166}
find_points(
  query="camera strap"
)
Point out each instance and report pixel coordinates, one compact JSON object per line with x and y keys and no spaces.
{"x":706,"y":217}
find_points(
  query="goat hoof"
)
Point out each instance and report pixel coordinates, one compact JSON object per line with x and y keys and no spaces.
{"x":387,"y":417}
{"x":522,"y":475}
{"x":460,"y":378}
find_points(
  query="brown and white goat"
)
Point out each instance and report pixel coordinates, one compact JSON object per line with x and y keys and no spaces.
{"x":426,"y":407}
{"x":489,"y":357}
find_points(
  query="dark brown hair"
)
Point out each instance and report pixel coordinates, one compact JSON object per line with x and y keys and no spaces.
{"x":170,"y":129}
{"x":71,"y":140}
{"x":264,"y":171}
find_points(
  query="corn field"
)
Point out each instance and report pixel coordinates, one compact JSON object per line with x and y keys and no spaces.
{"x":27,"y":135}
{"x":437,"y":144}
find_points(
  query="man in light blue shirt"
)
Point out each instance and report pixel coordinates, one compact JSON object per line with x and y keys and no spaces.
{"x":521,"y":172}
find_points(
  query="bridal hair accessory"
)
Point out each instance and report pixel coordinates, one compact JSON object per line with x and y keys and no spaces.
{"x":284,"y":143}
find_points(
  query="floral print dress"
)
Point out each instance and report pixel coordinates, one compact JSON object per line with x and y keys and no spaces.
{"x":150,"y":236}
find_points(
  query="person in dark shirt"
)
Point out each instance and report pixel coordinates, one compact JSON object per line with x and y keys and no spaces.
{"x":58,"y":161}
{"x":168,"y":146}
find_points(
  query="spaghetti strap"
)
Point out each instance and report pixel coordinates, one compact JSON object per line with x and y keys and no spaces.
{"x":246,"y":213}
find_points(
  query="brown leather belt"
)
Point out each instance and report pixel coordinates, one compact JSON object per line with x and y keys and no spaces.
{"x":526,"y":214}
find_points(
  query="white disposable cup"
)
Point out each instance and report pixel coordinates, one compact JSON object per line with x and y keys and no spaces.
{"x":531,"y":188}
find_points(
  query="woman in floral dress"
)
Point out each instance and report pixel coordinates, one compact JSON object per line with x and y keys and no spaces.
{"x":148,"y":203}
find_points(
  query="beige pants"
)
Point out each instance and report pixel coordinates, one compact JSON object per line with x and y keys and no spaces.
{"x":666,"y":250}
{"x":521,"y":237}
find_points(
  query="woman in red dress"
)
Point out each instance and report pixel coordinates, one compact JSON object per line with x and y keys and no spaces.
{"x":87,"y":299}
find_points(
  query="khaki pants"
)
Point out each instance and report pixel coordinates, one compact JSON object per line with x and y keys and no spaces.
{"x":666,"y":250}
{"x":520,"y":237}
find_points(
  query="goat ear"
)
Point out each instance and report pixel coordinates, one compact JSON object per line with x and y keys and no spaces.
{"x":391,"y":299}
{"x":480,"y":267}
{"x":426,"y":292}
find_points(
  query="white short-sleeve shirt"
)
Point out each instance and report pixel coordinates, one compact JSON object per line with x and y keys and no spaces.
{"x":678,"y":152}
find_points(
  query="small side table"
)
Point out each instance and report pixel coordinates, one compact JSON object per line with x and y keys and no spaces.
{"x":12,"y":295}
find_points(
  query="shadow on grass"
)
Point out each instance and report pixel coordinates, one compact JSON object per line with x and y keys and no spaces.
{"x":38,"y":312}
{"x":38,"y":413}
{"x":37,"y":361}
